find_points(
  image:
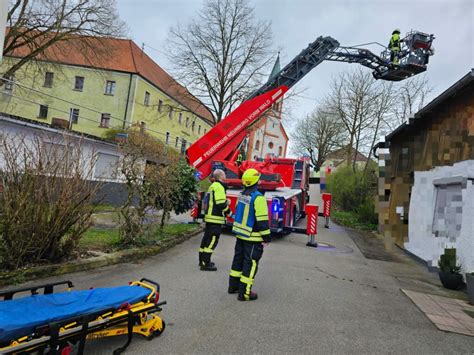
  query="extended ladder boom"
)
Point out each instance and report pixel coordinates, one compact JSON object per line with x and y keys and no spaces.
{"x":224,"y":138}
{"x":302,"y":64}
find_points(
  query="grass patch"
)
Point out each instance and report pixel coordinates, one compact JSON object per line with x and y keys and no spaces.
{"x":107,"y":240}
{"x":105,"y":208}
{"x":100,"y":239}
{"x":350,"y":219}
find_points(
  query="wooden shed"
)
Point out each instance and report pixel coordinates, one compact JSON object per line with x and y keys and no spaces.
{"x":440,"y":134}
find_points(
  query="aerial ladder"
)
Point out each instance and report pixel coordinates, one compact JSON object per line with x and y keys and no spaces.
{"x":222,"y":142}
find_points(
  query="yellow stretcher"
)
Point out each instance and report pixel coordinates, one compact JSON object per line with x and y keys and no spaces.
{"x":57,"y":323}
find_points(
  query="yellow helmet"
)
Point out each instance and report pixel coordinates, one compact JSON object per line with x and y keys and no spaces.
{"x":250,"y":177}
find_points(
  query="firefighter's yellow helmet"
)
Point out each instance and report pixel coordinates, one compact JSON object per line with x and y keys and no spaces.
{"x":250,"y":177}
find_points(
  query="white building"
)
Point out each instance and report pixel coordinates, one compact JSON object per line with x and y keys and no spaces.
{"x":268,"y":136}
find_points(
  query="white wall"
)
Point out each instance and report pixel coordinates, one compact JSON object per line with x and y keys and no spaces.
{"x":422,"y":242}
{"x":273,"y":127}
{"x":22,"y":130}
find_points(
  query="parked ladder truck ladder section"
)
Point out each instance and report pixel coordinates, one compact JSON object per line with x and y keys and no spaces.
{"x":286,"y":181}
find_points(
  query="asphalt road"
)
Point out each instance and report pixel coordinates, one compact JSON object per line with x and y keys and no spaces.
{"x":314,"y":301}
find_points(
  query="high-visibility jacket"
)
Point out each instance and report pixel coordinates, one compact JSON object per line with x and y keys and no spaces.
{"x":251,"y":216}
{"x":217,"y":207}
{"x":394,"y":44}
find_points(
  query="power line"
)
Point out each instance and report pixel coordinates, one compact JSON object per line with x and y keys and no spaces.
{"x":76,"y":105}
{"x":366,"y":44}
{"x":156,"y":50}
{"x":306,"y":97}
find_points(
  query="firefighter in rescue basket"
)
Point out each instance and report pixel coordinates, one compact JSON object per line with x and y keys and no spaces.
{"x":216,"y":208}
{"x":252,"y":231}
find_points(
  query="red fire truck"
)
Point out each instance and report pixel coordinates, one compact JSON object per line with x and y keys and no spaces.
{"x":285,"y":181}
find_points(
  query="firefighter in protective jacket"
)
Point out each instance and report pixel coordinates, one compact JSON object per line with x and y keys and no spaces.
{"x":395,"y":46}
{"x":252,"y":232}
{"x":215,"y":213}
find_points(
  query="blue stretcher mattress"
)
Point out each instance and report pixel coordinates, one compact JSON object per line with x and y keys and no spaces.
{"x":19,"y":317}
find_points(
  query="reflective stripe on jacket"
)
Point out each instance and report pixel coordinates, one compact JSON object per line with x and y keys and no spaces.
{"x":217,"y":207}
{"x":251,"y":216}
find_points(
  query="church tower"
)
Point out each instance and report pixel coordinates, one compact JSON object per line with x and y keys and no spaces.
{"x":268,"y":136}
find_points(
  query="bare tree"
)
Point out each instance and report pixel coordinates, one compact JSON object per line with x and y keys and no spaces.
{"x":317,"y":135}
{"x":367,"y":107}
{"x":221,"y":54}
{"x":383,"y":104}
{"x":47,"y":198}
{"x":353,"y":100}
{"x":34,"y":27}
{"x":150,"y":170}
{"x":409,"y":98}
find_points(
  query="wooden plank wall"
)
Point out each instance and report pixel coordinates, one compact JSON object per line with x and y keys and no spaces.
{"x":441,"y":137}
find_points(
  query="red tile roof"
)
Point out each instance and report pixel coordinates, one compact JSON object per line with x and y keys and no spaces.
{"x":119,"y":55}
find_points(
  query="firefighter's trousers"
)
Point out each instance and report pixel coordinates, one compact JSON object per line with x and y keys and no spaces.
{"x":212,"y":232}
{"x":394,"y":55}
{"x":245,"y":266}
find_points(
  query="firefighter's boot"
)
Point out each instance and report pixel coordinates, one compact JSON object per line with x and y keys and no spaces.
{"x":252,"y":297}
{"x":208,"y":267}
{"x":201,"y":260}
{"x":233,"y":289}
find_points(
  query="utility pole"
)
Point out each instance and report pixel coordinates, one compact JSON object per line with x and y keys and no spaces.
{"x":3,"y":23}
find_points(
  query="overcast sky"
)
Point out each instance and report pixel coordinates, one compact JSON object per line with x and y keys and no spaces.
{"x":296,"y":23}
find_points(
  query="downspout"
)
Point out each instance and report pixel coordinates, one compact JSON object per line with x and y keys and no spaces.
{"x":126,"y":105}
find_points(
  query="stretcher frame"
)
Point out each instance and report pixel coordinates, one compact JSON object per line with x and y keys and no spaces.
{"x":57,"y":337}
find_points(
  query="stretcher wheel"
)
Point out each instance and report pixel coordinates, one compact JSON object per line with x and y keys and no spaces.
{"x":157,"y":332}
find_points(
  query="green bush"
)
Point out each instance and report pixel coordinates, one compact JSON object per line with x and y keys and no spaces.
{"x":366,"y":212}
{"x":447,"y":261}
{"x":354,"y":192}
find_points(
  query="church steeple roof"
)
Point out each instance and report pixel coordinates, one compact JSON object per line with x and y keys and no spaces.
{"x":276,"y":67}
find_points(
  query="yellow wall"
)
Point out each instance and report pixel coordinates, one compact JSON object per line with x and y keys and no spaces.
{"x":93,"y":101}
{"x":160,"y":121}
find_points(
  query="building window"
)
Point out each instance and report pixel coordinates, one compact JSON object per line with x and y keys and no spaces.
{"x":105,"y":120}
{"x":74,"y":115}
{"x":170,"y":114}
{"x":110,"y":87}
{"x":257,"y":145}
{"x":199,"y":129}
{"x":180,"y":118}
{"x":167,"y":139}
{"x":8,"y":86}
{"x":187,"y":122}
{"x":280,"y":151}
{"x":176,"y":143}
{"x":183,"y":146}
{"x":48,"y":79}
{"x":43,"y":112}
{"x":106,"y":166}
{"x":193,"y":125}
{"x":447,"y":216}
{"x":146,"y":102}
{"x":79,"y":83}
{"x":142,"y":127}
{"x":160,"y":105}
{"x":205,"y":130}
